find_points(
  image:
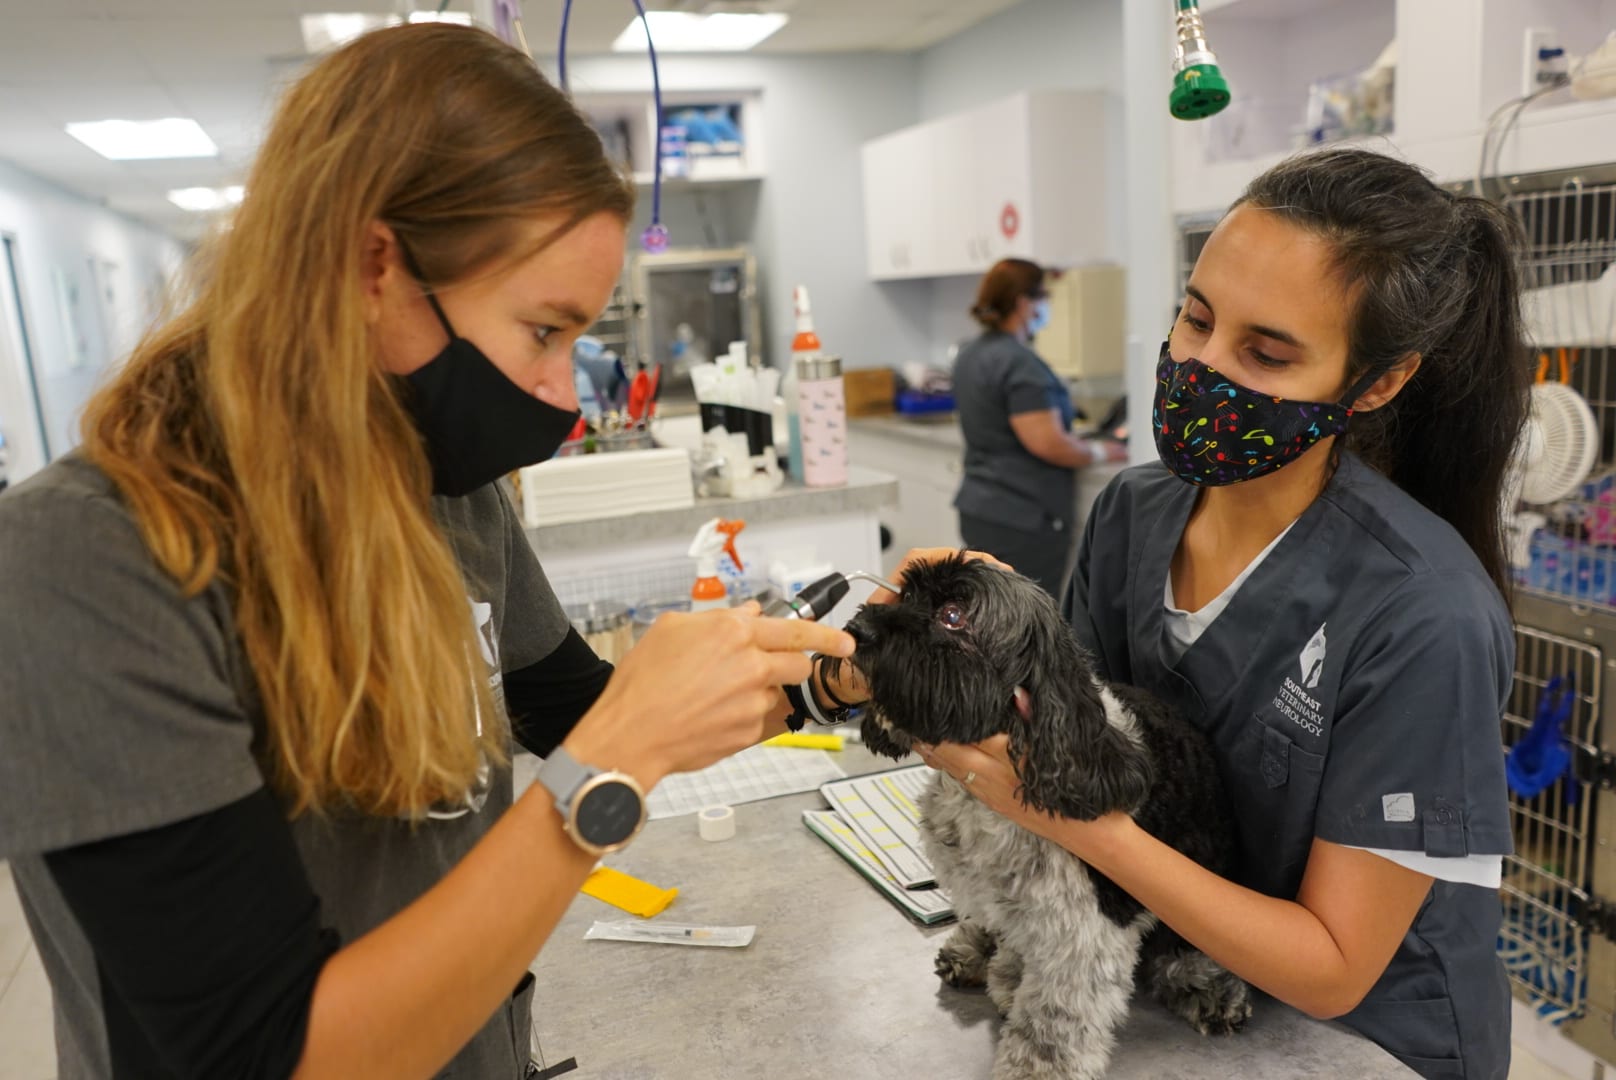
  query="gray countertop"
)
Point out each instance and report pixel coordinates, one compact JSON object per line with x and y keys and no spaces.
{"x":837,"y":984}
{"x":866,"y":489}
{"x":932,"y":431}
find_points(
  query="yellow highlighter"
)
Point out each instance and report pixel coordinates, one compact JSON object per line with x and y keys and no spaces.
{"x":799,"y":741}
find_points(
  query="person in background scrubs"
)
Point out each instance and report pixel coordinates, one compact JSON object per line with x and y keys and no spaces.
{"x":1016,"y":499}
{"x":1315,"y":573}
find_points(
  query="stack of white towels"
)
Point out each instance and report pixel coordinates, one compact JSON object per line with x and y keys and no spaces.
{"x":591,"y":486}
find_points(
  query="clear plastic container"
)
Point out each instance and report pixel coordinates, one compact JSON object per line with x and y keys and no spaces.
{"x":604,"y":626}
{"x":645,"y":613}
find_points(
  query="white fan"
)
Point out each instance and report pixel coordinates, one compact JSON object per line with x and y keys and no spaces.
{"x":1560,"y":445}
{"x":1557,"y":450}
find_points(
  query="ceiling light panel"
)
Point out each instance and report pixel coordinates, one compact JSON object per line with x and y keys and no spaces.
{"x":680,"y":31}
{"x":145,"y":140}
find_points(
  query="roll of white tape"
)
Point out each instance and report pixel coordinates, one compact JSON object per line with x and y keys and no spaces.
{"x":716,"y":822}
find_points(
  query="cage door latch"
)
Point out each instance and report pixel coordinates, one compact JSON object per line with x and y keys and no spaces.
{"x":1597,"y":768}
{"x":1595,"y":913}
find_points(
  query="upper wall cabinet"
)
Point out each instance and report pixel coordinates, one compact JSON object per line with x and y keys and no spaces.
{"x":1029,"y":176}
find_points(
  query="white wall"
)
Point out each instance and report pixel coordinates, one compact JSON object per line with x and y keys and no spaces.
{"x":805,"y":221}
{"x":1036,"y":45}
{"x":66,"y":243}
{"x":1150,"y":252}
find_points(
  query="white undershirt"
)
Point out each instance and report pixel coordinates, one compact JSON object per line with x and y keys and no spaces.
{"x":1184,"y":628}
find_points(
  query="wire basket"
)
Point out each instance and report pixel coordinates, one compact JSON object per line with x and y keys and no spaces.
{"x":1569,"y":304}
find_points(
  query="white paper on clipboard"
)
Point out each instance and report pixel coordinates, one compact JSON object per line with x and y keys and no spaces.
{"x":883,"y":810}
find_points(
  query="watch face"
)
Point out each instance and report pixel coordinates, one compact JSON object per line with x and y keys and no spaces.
{"x":609,"y":813}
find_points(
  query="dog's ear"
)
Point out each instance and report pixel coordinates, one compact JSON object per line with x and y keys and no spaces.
{"x":1073,"y":762}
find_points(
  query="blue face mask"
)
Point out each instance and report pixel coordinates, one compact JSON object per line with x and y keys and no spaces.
{"x":1039,"y":319}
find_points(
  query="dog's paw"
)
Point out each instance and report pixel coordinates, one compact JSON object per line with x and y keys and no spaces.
{"x":1224,"y":1017}
{"x":1191,"y":984}
{"x":962,"y":962}
{"x":960,"y":971}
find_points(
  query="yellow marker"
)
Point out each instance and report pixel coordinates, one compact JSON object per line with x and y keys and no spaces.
{"x":629,"y":893}
{"x":806,"y":742}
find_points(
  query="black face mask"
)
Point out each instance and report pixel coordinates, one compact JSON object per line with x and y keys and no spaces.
{"x":478,"y":424}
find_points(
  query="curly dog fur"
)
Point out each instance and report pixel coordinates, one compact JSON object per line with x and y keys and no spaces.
{"x":971,"y":651}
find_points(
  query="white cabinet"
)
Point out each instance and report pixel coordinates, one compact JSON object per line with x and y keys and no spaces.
{"x":982,"y":187}
{"x":1026,"y":176}
{"x":898,"y":237}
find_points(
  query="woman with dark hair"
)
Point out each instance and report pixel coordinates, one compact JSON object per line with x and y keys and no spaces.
{"x":1316,"y":575}
{"x":1021,"y":457}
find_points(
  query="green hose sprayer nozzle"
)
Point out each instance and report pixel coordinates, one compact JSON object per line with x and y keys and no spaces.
{"x":1198,"y":92}
{"x":1199,"y":88}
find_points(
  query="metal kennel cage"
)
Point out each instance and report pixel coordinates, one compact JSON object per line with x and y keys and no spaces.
{"x":1559,"y":935}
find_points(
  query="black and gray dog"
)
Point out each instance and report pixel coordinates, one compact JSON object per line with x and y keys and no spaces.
{"x":971,"y":651}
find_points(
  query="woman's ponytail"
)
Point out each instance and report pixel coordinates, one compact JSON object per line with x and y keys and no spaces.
{"x":1434,"y":275}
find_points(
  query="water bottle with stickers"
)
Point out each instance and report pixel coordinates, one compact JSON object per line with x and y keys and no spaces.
{"x":822,"y":412}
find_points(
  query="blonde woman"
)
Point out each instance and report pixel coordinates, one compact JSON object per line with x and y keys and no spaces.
{"x":259,"y":638}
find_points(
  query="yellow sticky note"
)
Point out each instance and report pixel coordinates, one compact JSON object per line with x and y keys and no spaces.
{"x":806,"y":742}
{"x":629,"y":893}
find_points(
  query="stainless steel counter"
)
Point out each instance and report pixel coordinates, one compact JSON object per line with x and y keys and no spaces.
{"x":837,"y":984}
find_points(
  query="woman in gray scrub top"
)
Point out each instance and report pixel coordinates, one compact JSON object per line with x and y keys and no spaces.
{"x":1021,"y":459}
{"x":266,"y":641}
{"x":1315,"y":575}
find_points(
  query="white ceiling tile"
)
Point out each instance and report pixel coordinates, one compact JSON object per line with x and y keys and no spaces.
{"x":56,"y":52}
{"x":65,"y":104}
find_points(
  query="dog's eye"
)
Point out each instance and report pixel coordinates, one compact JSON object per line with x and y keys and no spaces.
{"x":952,"y":616}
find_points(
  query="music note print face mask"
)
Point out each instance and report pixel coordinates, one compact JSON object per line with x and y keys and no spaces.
{"x":1211,"y":431}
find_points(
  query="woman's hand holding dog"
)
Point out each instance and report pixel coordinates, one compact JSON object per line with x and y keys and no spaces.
{"x":994,"y":782}
{"x":849,"y":685}
{"x":918,"y":556}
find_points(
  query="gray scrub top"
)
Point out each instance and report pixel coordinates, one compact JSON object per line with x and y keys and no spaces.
{"x":130,"y":706}
{"x":1353,"y":691}
{"x":997,"y":377}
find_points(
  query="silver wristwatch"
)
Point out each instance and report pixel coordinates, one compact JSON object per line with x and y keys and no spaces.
{"x":601,"y":810}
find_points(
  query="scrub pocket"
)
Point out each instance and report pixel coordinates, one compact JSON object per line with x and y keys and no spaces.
{"x":1422,"y":1033}
{"x":1278,"y":784}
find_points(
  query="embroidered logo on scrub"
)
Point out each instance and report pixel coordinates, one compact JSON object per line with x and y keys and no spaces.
{"x":1293,"y":700}
{"x":1313,"y":660}
{"x":1398,"y":807}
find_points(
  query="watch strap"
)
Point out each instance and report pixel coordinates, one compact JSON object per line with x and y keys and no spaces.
{"x":798,"y":717}
{"x":562,"y":775}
